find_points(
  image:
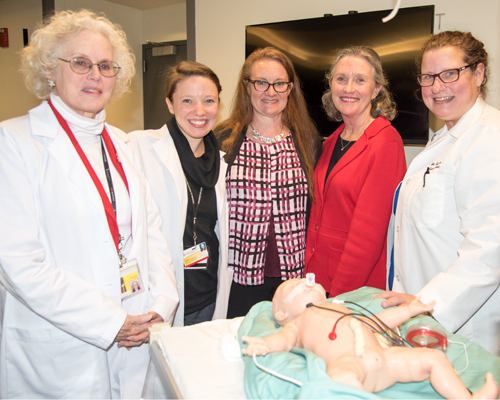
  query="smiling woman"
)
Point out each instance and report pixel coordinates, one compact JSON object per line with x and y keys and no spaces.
{"x":446,"y":245}
{"x":353,"y":88}
{"x":360,"y":167}
{"x":186,"y":173}
{"x":86,"y":94}
{"x":77,"y":223}
{"x":272,"y":147}
{"x":195,"y":104}
{"x":454,"y":91}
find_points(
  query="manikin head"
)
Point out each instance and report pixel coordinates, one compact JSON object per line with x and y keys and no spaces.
{"x":292,"y":297}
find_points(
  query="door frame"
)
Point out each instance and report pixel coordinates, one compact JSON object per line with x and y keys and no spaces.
{"x":146,"y":47}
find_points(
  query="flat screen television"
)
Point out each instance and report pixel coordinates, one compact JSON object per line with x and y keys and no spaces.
{"x":312,"y":43}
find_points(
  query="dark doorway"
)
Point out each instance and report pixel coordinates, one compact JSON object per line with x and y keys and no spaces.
{"x":157,"y":58}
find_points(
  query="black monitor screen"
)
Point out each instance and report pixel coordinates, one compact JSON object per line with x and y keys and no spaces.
{"x":312,"y":44}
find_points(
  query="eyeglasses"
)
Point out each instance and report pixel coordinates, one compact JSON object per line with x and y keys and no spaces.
{"x":447,"y":76}
{"x":82,"y":66}
{"x":263,"y":86}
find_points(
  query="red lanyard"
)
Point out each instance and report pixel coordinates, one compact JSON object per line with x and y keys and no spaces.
{"x":108,"y":208}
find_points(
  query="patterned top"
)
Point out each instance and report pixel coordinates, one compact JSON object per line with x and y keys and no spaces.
{"x":266,"y":181}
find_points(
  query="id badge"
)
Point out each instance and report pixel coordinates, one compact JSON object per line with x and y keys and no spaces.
{"x":195,"y":257}
{"x":130,"y":279}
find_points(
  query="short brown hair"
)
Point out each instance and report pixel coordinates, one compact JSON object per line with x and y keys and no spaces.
{"x":473,"y":51}
{"x":185,"y":70}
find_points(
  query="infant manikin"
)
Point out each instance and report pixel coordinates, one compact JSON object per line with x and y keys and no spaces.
{"x":350,"y":348}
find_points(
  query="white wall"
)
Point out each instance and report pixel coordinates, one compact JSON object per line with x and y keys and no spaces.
{"x":160,"y":24}
{"x":220,"y":31}
{"x":164,"y":24}
{"x":16,"y":15}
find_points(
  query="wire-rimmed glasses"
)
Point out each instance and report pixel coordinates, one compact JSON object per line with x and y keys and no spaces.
{"x":262,"y":86}
{"x":82,"y":66}
{"x":446,"y":76}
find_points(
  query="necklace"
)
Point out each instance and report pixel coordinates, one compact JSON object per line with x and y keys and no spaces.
{"x":257,"y":136}
{"x":342,"y":146}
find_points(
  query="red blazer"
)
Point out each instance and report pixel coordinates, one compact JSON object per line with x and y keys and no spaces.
{"x":347,"y":231}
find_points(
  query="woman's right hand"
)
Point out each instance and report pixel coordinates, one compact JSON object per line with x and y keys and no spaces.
{"x":134,"y":331}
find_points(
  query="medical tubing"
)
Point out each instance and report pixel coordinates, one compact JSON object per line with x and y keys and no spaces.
{"x":372,"y":324}
{"x":466,"y":355}
{"x":276,"y":374}
{"x":377,"y":327}
{"x":403,"y":340}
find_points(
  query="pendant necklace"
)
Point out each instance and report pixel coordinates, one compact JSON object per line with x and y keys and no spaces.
{"x":342,"y":146}
{"x":257,"y":136}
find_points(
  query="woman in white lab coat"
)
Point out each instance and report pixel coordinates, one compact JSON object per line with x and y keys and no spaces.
{"x":447,"y":222}
{"x":179,"y":159}
{"x":67,"y":311}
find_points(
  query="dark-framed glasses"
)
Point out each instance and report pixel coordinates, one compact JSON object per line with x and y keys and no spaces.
{"x":447,"y":76}
{"x":82,"y":66}
{"x":262,"y":86}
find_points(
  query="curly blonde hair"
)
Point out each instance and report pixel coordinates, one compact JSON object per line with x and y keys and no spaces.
{"x":383,"y":104}
{"x":41,"y":56}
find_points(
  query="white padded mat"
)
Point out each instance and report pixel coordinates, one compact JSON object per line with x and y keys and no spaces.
{"x":205,"y":359}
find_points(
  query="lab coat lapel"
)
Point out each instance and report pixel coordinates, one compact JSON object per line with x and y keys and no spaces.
{"x":444,"y":138}
{"x":126,"y":156}
{"x":65,"y":154}
{"x":220,"y":188}
{"x":167,"y":154}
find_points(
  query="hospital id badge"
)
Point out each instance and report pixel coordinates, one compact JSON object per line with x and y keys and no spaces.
{"x":130,"y":280}
{"x":195,"y":257}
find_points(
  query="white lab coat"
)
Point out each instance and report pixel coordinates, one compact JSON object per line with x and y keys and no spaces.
{"x":447,"y":233}
{"x":163,"y":170}
{"x":60,"y":305}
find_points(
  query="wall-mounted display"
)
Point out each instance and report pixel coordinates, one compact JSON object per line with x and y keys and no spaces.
{"x":312,"y":43}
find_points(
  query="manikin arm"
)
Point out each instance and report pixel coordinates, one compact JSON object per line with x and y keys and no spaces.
{"x":396,"y":316}
{"x":394,"y":298}
{"x":284,"y":340}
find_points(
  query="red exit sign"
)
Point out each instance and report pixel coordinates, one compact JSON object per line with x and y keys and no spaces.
{"x":4,"y":37}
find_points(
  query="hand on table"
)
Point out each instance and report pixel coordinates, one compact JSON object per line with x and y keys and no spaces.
{"x":134,"y":331}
